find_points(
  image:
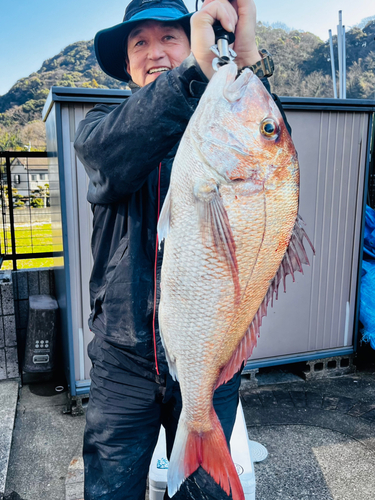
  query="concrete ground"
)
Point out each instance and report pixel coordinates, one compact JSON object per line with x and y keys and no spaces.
{"x":44,"y":442}
{"x":320,"y":437}
{"x":8,"y":404}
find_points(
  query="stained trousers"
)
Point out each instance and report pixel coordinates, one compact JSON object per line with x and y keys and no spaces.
{"x":127,"y":405}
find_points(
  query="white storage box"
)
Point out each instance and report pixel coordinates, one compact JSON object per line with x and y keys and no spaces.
{"x":240,"y":449}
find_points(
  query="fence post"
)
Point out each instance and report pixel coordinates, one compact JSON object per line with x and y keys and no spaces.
{"x":11,"y":214}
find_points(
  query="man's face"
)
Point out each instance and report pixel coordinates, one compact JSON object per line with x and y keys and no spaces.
{"x":155,"y":47}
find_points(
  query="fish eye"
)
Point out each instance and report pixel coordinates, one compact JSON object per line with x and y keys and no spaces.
{"x":269,"y":128}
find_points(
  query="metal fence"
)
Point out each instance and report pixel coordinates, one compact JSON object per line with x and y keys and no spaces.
{"x":25,"y":225}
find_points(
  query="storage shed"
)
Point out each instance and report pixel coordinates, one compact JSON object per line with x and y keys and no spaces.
{"x":316,"y":318}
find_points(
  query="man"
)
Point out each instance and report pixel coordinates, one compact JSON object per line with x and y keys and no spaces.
{"x":128,"y":152}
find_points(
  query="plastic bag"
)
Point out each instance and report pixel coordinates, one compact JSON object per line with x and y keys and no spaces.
{"x":367,"y":301}
{"x":369,"y":238}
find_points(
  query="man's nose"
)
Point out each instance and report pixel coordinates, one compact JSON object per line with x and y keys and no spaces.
{"x":156,"y":50}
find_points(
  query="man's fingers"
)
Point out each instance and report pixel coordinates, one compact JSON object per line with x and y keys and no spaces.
{"x":245,"y":43}
{"x":220,"y":10}
{"x":202,"y":33}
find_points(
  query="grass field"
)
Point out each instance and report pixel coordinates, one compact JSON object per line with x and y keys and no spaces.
{"x":37,"y":238}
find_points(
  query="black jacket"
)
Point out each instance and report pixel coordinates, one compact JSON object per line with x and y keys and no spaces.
{"x":121,"y":148}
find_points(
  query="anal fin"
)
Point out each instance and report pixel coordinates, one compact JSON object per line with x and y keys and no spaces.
{"x":242,"y":353}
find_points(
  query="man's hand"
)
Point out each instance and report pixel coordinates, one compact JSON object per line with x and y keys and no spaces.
{"x":244,"y":44}
{"x":238,"y":17}
{"x":202,"y":33}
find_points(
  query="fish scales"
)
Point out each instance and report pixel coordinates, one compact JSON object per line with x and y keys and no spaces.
{"x":185,"y":312}
{"x":227,"y":222}
{"x":274,"y":243}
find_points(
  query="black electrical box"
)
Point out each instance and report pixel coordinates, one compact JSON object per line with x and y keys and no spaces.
{"x":40,"y":350}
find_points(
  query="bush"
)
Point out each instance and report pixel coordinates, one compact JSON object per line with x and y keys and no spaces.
{"x":36,"y":203}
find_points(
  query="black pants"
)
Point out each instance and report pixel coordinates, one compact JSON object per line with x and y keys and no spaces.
{"x":126,"y":408}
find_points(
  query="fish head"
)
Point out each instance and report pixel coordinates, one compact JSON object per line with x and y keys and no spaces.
{"x":240,"y":132}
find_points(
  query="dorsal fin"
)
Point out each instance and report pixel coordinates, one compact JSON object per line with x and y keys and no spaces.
{"x":295,"y":255}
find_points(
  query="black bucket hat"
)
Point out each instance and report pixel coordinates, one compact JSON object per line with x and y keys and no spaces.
{"x":110,"y":43}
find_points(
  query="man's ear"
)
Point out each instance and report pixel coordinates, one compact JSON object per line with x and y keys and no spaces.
{"x":127,"y":65}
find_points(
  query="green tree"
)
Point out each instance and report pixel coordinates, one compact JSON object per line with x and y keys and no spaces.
{"x":36,"y":202}
{"x":10,"y":141}
{"x":355,"y":82}
{"x":40,"y":197}
{"x":16,"y":198}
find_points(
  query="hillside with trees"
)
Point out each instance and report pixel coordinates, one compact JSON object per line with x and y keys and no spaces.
{"x":21,"y":107}
{"x":302,"y":68}
{"x":303,"y":62}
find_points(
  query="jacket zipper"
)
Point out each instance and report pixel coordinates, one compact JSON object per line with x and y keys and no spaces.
{"x":155,"y":277}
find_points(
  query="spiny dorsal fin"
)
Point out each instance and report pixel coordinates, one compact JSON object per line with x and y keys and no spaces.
{"x":295,"y":255}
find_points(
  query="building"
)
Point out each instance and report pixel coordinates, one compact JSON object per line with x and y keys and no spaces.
{"x":29,"y":174}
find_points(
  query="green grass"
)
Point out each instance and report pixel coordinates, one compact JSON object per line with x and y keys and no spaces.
{"x":37,"y":238}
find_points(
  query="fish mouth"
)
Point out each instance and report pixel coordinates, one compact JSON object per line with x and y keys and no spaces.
{"x":236,"y":87}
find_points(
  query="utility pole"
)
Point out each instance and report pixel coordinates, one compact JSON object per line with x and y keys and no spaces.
{"x":341,"y":49}
{"x":332,"y":64}
{"x":343,"y":64}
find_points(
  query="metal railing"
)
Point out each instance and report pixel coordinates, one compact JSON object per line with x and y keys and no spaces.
{"x":25,"y":224}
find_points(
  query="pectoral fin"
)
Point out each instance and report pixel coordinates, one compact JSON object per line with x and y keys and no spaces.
{"x":215,"y":227}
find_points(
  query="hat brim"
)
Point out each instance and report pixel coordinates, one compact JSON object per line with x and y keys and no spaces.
{"x":109,"y":43}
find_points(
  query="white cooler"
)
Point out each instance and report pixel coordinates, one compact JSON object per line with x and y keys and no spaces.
{"x":241,"y":449}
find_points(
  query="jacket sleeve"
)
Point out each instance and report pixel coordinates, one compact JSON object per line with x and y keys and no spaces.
{"x":120,"y":145}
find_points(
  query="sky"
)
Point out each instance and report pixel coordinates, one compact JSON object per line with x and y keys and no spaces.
{"x":33,"y":31}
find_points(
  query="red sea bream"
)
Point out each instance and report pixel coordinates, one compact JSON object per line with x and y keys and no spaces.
{"x":232,"y":233}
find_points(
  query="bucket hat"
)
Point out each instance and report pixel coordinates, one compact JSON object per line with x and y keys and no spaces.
{"x":110,"y":43}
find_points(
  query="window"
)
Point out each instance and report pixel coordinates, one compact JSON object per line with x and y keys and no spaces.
{"x":17,"y":179}
{"x":42,"y":177}
{"x":34,"y":177}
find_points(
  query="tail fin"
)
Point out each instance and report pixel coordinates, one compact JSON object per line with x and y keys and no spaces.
{"x":207,"y":449}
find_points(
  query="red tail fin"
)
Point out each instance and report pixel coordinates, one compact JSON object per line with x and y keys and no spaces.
{"x":208,"y":449}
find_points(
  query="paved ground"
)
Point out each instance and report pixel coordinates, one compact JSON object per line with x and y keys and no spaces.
{"x":320,"y":437}
{"x":44,"y":442}
{"x":8,"y":403}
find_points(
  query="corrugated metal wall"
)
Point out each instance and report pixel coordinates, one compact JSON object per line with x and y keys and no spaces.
{"x":79,"y":238}
{"x":317,"y":312}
